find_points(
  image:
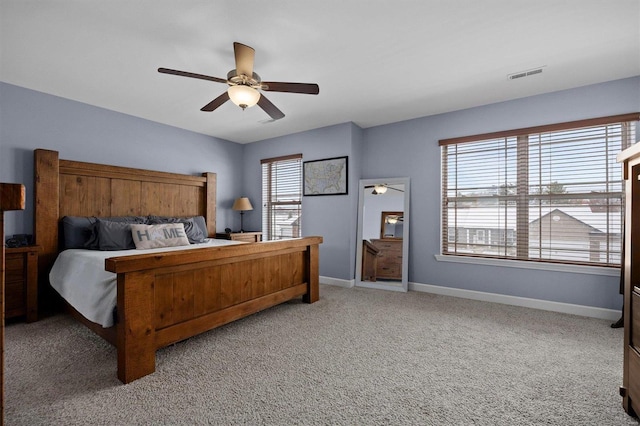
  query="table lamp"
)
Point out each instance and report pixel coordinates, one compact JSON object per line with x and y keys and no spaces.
{"x":242,"y":204}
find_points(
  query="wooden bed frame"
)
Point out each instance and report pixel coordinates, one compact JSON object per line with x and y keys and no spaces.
{"x":168,"y":297}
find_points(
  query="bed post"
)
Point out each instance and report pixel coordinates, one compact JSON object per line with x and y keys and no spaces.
{"x":313,"y":288}
{"x":47,"y":205}
{"x":135,"y":328}
{"x":12,"y":197}
{"x":210,"y":204}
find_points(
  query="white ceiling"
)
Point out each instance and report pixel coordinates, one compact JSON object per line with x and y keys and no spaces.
{"x":376,"y":62}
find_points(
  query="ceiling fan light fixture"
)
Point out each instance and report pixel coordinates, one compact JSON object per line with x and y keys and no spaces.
{"x":245,"y":86}
{"x":243,"y":96}
{"x":380,"y":189}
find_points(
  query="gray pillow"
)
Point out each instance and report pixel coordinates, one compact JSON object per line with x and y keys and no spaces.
{"x":202,"y":224}
{"x":76,"y":231}
{"x":193,"y":226}
{"x":94,"y":242}
{"x":114,"y":235}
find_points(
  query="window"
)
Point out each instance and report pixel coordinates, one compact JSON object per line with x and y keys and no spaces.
{"x":282,"y":197}
{"x":551,"y":193}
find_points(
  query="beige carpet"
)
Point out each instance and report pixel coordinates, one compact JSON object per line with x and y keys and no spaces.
{"x":356,"y":357}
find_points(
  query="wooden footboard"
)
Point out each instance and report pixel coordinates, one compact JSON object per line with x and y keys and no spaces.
{"x":168,"y":297}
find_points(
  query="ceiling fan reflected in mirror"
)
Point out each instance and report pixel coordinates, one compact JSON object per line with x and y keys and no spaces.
{"x":393,"y":219}
{"x":381,"y":188}
{"x":245,"y":86}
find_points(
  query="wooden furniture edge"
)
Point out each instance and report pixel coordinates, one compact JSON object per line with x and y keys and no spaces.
{"x":47,"y":206}
{"x":120,"y":172}
{"x":166,"y":259}
{"x":31,"y":279}
{"x":629,"y":158}
{"x":210,"y":199}
{"x":12,"y":197}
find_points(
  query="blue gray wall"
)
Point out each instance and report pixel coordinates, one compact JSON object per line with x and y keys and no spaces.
{"x":334,"y":216}
{"x":411,"y":148}
{"x":30,"y":120}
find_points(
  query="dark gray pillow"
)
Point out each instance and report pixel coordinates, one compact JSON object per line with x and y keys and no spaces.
{"x":191,"y":228}
{"x":93,"y":242}
{"x":76,"y":231}
{"x":202,"y":224}
{"x":114,"y":235}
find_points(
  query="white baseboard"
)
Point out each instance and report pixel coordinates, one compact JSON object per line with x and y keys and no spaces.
{"x":525,"y":302}
{"x":337,"y":282}
{"x":567,"y":308}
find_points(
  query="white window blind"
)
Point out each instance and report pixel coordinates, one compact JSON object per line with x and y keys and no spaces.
{"x":551,"y":193}
{"x":282,"y":197}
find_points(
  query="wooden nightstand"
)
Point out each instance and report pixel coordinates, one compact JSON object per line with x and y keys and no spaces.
{"x":21,"y":282}
{"x":250,"y":237}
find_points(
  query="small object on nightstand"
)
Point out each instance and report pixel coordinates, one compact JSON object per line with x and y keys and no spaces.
{"x":250,"y":237}
{"x":20,"y":240}
{"x":21,"y":282}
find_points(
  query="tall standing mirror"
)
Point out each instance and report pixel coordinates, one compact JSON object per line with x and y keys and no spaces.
{"x":382,"y":259}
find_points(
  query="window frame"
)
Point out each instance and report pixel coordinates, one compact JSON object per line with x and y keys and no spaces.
{"x":446,"y":225}
{"x":269,"y":206}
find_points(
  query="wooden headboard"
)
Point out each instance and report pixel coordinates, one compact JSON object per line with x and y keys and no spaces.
{"x":73,"y":188}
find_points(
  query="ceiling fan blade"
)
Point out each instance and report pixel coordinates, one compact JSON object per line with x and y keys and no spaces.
{"x":216,"y":102}
{"x":190,"y":74}
{"x":306,"y":88}
{"x":384,"y":185}
{"x":244,"y":58}
{"x":270,"y":108}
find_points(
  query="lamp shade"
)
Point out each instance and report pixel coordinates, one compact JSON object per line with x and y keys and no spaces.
{"x":242,"y":204}
{"x":243,"y":96}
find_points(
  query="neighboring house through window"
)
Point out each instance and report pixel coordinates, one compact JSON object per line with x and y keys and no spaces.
{"x":550,"y":193}
{"x":282,"y":197}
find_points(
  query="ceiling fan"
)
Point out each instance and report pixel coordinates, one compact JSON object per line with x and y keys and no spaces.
{"x":393,"y":219}
{"x":245,"y":85}
{"x":381,"y":188}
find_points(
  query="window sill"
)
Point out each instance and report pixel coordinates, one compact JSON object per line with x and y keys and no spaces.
{"x":576,"y":269}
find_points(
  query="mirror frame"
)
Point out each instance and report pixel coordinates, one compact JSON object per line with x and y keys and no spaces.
{"x":404,"y":285}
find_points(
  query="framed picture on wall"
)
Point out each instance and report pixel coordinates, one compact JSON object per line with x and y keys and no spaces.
{"x":325,"y":177}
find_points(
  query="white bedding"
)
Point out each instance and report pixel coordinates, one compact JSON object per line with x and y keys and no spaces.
{"x":80,"y":278}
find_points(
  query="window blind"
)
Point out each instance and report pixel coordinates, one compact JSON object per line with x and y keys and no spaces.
{"x":282,"y":197}
{"x":551,"y":194}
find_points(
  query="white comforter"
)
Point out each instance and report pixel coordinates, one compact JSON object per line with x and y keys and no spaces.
{"x":79,"y":276}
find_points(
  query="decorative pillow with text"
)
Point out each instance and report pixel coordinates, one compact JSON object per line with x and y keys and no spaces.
{"x":163,"y":235}
{"x":191,"y":228}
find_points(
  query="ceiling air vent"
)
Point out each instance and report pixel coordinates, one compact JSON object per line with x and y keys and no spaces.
{"x":527,"y":73}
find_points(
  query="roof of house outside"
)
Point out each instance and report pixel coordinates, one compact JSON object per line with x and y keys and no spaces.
{"x":493,"y":217}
